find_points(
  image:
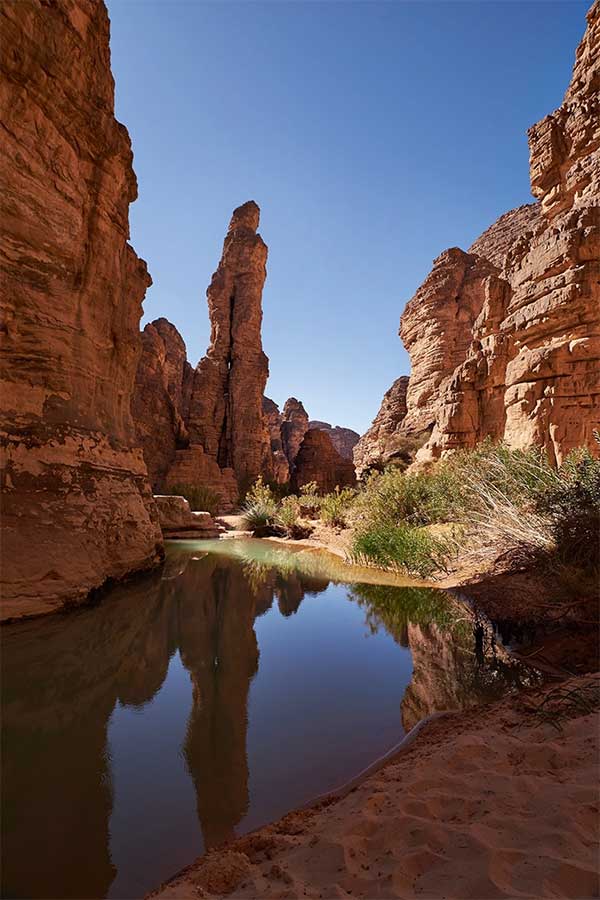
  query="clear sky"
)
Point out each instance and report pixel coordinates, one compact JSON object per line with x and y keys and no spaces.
{"x":373,"y":135}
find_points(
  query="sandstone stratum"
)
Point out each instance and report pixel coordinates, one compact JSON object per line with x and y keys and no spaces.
{"x":504,"y":339}
{"x":77,"y":508}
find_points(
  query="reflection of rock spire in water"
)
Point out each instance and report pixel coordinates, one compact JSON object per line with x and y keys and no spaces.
{"x":218,"y":647}
{"x":61,"y":682}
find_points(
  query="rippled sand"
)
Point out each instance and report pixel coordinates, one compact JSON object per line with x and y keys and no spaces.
{"x":486,"y":804}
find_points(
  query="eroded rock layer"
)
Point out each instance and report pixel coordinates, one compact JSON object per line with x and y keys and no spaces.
{"x":505,"y":340}
{"x":77,"y":506}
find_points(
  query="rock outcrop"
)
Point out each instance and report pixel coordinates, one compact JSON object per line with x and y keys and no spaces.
{"x":319,"y":461}
{"x":384,"y":441}
{"x":206,"y":426}
{"x":158,"y":404}
{"x":293,"y":428}
{"x":505,"y":340}
{"x":280,"y":462}
{"x":77,"y":506}
{"x":343,"y":439}
{"x":225,"y":415}
{"x":178,"y":520}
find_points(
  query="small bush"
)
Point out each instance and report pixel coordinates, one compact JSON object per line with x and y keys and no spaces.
{"x":200,"y":498}
{"x":336,"y":506}
{"x":288,"y":516}
{"x":261,"y":492}
{"x":259,"y":510}
{"x":310,"y":500}
{"x":406,"y":547}
{"x":572,"y":506}
{"x":418,"y":499}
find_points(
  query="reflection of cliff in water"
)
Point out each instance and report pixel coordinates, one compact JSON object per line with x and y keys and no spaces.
{"x":457,"y":660}
{"x":63,"y":678}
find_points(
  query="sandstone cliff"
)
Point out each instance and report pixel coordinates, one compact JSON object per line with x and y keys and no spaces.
{"x":504,"y":340}
{"x":294,"y":426}
{"x":158,"y":402}
{"x":319,"y":461}
{"x":207,"y":426}
{"x":343,"y":439}
{"x":280,"y":462}
{"x":77,"y":507}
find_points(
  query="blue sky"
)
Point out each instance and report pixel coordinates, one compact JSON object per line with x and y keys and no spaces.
{"x":373,"y":135}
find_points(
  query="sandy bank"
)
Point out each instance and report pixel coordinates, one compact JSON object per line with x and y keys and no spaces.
{"x":490,"y":803}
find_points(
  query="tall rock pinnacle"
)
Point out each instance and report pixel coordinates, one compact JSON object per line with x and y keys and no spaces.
{"x":226,"y":414}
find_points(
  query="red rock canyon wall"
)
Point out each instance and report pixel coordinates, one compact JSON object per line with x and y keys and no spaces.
{"x":77,"y":506}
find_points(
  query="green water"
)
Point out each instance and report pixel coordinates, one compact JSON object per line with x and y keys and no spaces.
{"x":203,"y":701}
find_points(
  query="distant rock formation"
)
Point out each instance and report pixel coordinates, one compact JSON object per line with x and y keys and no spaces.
{"x":384,"y":441}
{"x":319,"y":461}
{"x":294,"y":426}
{"x":206,"y":426}
{"x":77,"y":506}
{"x":343,"y":439}
{"x":505,"y":340}
{"x":280,"y":462}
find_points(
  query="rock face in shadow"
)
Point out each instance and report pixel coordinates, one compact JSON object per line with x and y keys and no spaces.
{"x":161,"y":394}
{"x":343,"y":439}
{"x":294,"y":426}
{"x":384,"y":441}
{"x":77,"y":506}
{"x":505,"y":340}
{"x":319,"y":461}
{"x":280,"y":462}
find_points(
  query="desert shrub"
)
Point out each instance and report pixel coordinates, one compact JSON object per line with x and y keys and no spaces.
{"x":259,"y":510}
{"x":261,"y":492}
{"x":510,"y":498}
{"x":395,"y":498}
{"x":336,"y":506}
{"x":288,"y":517}
{"x":498,"y":496}
{"x":572,"y":506}
{"x":199,"y":497}
{"x":411,"y":548}
{"x":310,"y":500}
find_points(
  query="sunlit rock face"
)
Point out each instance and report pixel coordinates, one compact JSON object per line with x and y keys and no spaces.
{"x":318,"y":461}
{"x":77,"y":506}
{"x":505,"y":340}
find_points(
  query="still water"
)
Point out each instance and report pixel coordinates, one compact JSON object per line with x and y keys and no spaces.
{"x":201,"y":702}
